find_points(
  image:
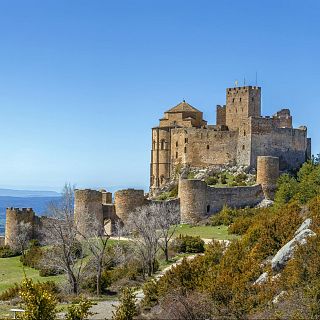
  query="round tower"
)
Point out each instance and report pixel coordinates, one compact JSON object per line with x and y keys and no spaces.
{"x":193,"y":200}
{"x":268,"y":174}
{"x":126,"y":201}
{"x":14,"y":216}
{"x":88,"y":211}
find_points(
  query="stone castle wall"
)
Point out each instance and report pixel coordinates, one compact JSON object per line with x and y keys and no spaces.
{"x":126,"y":201}
{"x":88,"y":210}
{"x":14,"y":216}
{"x":198,"y":201}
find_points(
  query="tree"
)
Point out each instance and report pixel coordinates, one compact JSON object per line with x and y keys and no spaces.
{"x":96,"y":241}
{"x":127,"y":308}
{"x":142,"y":225}
{"x":66,"y":251}
{"x":167,"y":218}
{"x":39,"y":303}
{"x":79,"y":310}
{"x":23,"y":236}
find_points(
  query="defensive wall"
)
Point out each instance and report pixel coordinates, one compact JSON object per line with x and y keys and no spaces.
{"x":197,"y":201}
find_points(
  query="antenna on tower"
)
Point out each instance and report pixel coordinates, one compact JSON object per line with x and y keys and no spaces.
{"x":256,"y":78}
{"x":244,"y":81}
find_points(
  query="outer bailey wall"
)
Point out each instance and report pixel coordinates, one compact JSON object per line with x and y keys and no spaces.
{"x":201,"y":147}
{"x":290,"y":145}
{"x":234,"y":197}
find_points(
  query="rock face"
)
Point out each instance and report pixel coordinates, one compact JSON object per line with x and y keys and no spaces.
{"x":305,"y":225}
{"x":262,"y":279}
{"x":286,"y":252}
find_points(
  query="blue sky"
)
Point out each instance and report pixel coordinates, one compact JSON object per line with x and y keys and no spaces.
{"x":82,"y":82}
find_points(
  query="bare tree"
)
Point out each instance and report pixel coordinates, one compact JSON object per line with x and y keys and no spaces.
{"x":167,"y":217}
{"x":23,"y":236}
{"x":96,"y":241}
{"x":60,"y":232}
{"x":142,"y":225}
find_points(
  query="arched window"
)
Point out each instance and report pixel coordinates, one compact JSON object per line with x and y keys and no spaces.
{"x":177,"y":143}
{"x":176,"y":155}
{"x":244,"y":132}
{"x":185,"y":149}
{"x":243,"y":147}
{"x":208,"y":208}
{"x":208,"y":147}
{"x":154,"y":144}
{"x":163,"y":144}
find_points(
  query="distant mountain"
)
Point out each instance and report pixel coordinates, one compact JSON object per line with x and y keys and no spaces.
{"x":27,"y":193}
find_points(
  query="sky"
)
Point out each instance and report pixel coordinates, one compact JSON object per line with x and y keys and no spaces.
{"x":83,"y":81}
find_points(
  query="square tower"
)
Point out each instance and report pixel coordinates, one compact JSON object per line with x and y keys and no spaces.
{"x":242,"y":103}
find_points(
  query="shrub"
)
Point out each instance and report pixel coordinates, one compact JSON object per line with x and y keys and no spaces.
{"x":240,"y":177}
{"x":150,"y":290}
{"x":224,"y":217}
{"x":10,"y":293}
{"x":7,"y":252}
{"x":211,"y":180}
{"x":223,"y":178}
{"x":90,"y":283}
{"x":79,"y":310}
{"x":189,"y":244}
{"x":49,"y":271}
{"x":32,"y":257}
{"x":39,"y":303}
{"x":127,"y":308}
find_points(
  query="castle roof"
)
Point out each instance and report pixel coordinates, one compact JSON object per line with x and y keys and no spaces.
{"x":183,"y":107}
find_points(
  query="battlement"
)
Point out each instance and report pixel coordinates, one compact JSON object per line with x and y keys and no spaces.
{"x":242,"y":89}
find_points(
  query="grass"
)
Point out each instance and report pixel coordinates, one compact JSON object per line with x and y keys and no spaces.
{"x":12,"y":271}
{"x":205,"y":232}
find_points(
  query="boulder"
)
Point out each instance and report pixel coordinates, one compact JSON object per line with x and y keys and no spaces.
{"x":265,"y":203}
{"x":286,"y":252}
{"x":262,"y":279}
{"x":305,"y":225}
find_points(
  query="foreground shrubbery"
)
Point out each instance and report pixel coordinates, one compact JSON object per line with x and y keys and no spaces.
{"x":188,"y":244}
{"x":224,"y":277}
{"x":7,"y":252}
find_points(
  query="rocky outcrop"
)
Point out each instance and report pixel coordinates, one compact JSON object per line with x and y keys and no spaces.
{"x":286,"y":252}
{"x":262,"y":279}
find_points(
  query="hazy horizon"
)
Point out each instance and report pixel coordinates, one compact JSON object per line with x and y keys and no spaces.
{"x":82,"y":82}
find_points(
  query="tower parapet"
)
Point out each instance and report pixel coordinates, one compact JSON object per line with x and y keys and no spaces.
{"x":87,"y":209}
{"x":193,"y":200}
{"x":14,"y":216}
{"x":268,"y":174}
{"x":126,"y":201}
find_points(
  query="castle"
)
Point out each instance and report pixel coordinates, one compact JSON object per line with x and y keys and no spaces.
{"x":240,"y":135}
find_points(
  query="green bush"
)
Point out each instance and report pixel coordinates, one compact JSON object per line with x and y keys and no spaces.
{"x":7,"y":252}
{"x":211,"y":180}
{"x":90,"y":283}
{"x":188,"y":244}
{"x":150,"y":290}
{"x":241,"y":177}
{"x":49,"y":271}
{"x":10,"y":293}
{"x":223,"y":178}
{"x":79,"y":310}
{"x":127,"y":308}
{"x":32,"y":257}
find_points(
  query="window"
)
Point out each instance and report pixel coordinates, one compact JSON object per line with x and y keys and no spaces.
{"x":185,"y":140}
{"x":244,"y":132}
{"x":154,"y":144}
{"x":176,"y":143}
{"x":240,"y":100}
{"x":161,"y":179}
{"x":162,"y":144}
{"x":243,"y":147}
{"x":208,"y":147}
{"x":233,"y":100}
{"x":252,"y":99}
{"x":208,"y":208}
{"x":176,"y":155}
{"x":185,"y":149}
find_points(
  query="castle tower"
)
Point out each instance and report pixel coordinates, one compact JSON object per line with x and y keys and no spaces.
{"x":126,"y":201}
{"x":268,"y":174}
{"x":88,"y":211}
{"x":242,"y":103}
{"x":193,"y":197}
{"x":14,"y":216}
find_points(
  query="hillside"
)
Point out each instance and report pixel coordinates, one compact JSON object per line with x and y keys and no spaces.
{"x":270,"y":271}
